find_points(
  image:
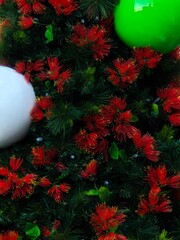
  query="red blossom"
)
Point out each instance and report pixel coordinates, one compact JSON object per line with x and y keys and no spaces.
{"x":105,"y":219}
{"x":46,"y":232}
{"x":54,"y":68}
{"x":158,"y":177}
{"x":15,"y":163}
{"x":54,"y":72}
{"x":122,"y":128}
{"x":86,"y":141}
{"x":60,"y":166}
{"x":4,"y":171}
{"x":174,"y":119}
{"x":26,"y":22}
{"x":168,"y":93}
{"x":122,"y":131}
{"x":115,"y":106}
{"x":64,"y":187}
{"x":56,"y":192}
{"x":92,"y":38}
{"x":42,"y":156}
{"x":24,"y":186}
{"x":28,"y":7}
{"x":29,"y":68}
{"x":172,"y":104}
{"x":97,"y":123}
{"x":146,"y":144}
{"x":62,"y":78}
{"x":90,"y":170}
{"x":5,"y":186}
{"x":44,"y":103}
{"x":36,"y":114}
{"x":155,"y":203}
{"x":65,"y":7}
{"x":10,"y":235}
{"x":19,"y":186}
{"x":102,"y":148}
{"x":44,"y":182}
{"x":145,"y":56}
{"x":124,"y":74}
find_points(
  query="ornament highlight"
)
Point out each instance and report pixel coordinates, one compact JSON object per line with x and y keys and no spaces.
{"x":17,"y":99}
{"x":154,"y":23}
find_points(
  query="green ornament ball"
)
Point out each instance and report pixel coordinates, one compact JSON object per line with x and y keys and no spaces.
{"x":154,"y":23}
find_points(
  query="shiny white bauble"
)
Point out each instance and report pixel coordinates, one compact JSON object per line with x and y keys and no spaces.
{"x":17,"y":99}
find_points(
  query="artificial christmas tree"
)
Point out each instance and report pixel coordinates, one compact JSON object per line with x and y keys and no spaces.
{"x":101,"y":159}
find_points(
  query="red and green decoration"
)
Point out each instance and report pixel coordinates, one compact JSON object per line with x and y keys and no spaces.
{"x":101,"y":159}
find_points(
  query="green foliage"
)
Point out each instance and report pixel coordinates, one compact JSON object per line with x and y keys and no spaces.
{"x":100,"y":8}
{"x":164,"y":236}
{"x":166,"y":133}
{"x":63,"y":118}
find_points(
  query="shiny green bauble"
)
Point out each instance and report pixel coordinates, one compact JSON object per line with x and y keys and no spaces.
{"x":154,"y":23}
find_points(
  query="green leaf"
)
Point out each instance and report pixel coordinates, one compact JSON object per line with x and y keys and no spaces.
{"x":63,"y":175}
{"x":122,"y":155}
{"x":48,"y":84}
{"x":155,"y":109}
{"x":104,"y":194}
{"x":32,"y":231}
{"x":114,"y":151}
{"x":92,"y":192}
{"x":164,"y":236}
{"x":49,"y":33}
{"x":134,"y":119}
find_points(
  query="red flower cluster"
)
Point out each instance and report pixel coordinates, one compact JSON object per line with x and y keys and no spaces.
{"x":10,"y":235}
{"x":112,"y":119}
{"x":54,"y":72}
{"x":146,"y":57}
{"x":26,"y":22}
{"x":42,"y":108}
{"x":171,"y":102}
{"x":104,"y":220}
{"x":65,"y":7}
{"x":19,"y":186}
{"x":158,"y":202}
{"x":146,"y":144}
{"x":29,"y":68}
{"x":93,"y":39}
{"x":57,"y":192}
{"x":155,"y":203}
{"x":124,"y":74}
{"x":28,"y":7}
{"x":158,"y":178}
{"x":91,"y":170}
{"x":42,"y":156}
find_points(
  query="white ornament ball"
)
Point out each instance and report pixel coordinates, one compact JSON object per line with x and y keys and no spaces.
{"x":17,"y":99}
